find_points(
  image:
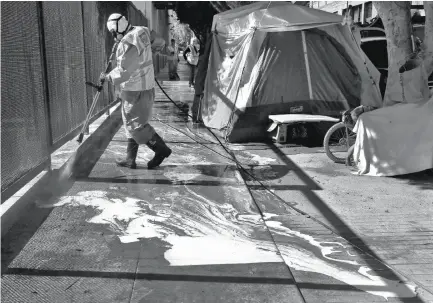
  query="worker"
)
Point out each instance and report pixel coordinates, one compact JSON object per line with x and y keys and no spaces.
{"x":191,"y":55}
{"x":173,"y":60}
{"x":135,"y":76}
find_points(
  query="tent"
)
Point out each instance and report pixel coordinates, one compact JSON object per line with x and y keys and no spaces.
{"x":271,"y":58}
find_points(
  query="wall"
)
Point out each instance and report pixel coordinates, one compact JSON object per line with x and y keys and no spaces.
{"x":45,"y":64}
{"x":339,"y":7}
{"x":158,"y":19}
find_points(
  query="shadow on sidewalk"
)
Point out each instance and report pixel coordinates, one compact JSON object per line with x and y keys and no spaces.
{"x":338,"y":226}
{"x":423,"y":180}
{"x":189,"y":278}
{"x":225,"y":175}
{"x":148,"y":276}
{"x":23,"y":230}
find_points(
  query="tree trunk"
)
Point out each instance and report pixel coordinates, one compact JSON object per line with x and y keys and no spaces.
{"x":428,"y":37}
{"x":396,"y":21}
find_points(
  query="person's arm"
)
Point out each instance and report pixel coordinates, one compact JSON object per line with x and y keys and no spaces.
{"x":127,"y":61}
{"x":186,"y":52}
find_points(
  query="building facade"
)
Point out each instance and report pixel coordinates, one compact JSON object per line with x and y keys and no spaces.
{"x":362,"y":11}
{"x":158,"y":18}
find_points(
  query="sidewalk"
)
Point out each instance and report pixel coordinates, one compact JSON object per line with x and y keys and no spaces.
{"x":197,"y":229}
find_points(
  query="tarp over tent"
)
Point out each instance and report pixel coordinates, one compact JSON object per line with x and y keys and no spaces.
{"x":271,"y":58}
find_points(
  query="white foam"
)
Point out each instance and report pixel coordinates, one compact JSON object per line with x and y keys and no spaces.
{"x":301,"y":259}
{"x":200,"y":231}
{"x":259,"y":159}
{"x":325,"y":250}
{"x":211,"y":233}
{"x":182,"y":175}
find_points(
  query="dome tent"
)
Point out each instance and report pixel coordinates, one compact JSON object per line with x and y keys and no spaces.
{"x":272,"y":58}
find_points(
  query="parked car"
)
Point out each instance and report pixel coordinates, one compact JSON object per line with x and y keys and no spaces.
{"x":374,"y":45}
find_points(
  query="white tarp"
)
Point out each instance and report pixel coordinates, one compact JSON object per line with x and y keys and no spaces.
{"x":398,"y":139}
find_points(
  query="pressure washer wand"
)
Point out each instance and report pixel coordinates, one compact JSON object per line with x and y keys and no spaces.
{"x":98,"y":92}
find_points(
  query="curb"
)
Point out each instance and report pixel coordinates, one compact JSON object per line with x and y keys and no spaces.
{"x":56,"y":181}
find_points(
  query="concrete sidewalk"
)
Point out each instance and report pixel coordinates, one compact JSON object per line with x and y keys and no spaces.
{"x":198,"y":229}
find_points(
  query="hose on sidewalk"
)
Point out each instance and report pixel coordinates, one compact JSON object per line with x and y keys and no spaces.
{"x":240,"y":167}
{"x":232,"y":157}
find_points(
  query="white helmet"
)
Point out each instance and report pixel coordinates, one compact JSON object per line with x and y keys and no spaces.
{"x":117,"y":24}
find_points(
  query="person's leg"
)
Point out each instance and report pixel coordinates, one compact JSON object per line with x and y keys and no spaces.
{"x":174,"y":69}
{"x":171,"y":69}
{"x":131,"y":148}
{"x":191,"y":74}
{"x":162,"y":151}
{"x":195,"y":109}
{"x":144,"y":133}
{"x":176,"y":76}
{"x":131,"y":155}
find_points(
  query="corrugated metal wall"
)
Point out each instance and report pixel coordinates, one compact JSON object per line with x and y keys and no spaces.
{"x":64,"y":44}
{"x":24,"y":139}
{"x":95,"y":53}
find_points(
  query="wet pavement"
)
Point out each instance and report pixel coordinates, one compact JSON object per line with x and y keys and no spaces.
{"x":196,"y":229}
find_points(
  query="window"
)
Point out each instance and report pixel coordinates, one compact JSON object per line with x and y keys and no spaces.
{"x":356,"y":13}
{"x":351,"y":11}
{"x":368,"y":10}
{"x":377,"y":52}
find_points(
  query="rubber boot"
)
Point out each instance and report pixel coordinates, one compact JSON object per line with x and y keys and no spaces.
{"x":161,"y":151}
{"x":131,"y":155}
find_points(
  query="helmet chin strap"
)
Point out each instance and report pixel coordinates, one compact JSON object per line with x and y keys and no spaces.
{"x":122,"y":34}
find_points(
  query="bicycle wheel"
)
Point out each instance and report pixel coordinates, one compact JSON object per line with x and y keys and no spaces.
{"x":335,"y":142}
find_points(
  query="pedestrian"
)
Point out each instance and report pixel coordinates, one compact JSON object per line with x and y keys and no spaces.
{"x":173,"y":60}
{"x":135,"y":75}
{"x":191,"y":55}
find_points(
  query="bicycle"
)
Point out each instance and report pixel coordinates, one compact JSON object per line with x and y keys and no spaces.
{"x":339,"y":138}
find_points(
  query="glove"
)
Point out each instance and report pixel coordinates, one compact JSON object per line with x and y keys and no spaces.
{"x":103,"y":77}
